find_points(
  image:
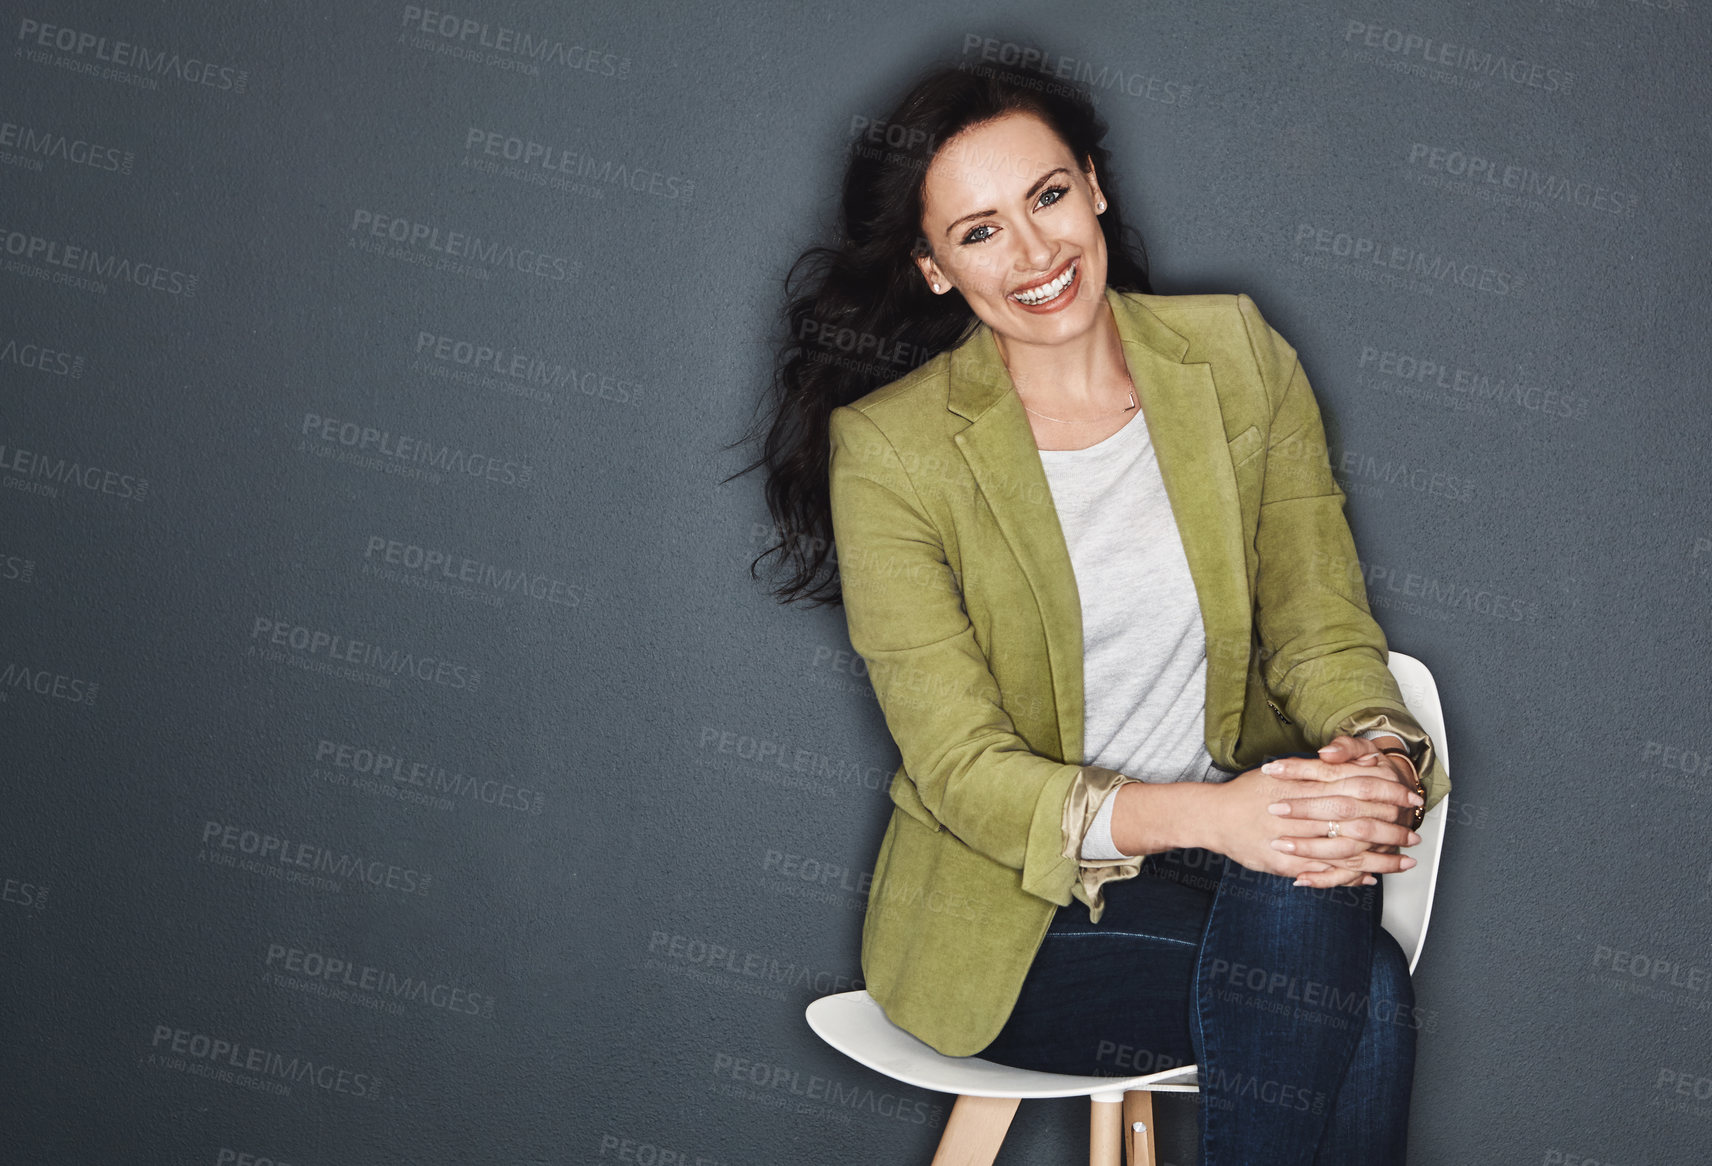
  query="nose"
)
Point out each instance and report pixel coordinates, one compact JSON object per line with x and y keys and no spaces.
{"x":1034,"y":249}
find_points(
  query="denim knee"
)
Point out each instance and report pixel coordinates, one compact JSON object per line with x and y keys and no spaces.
{"x":1391,"y":993}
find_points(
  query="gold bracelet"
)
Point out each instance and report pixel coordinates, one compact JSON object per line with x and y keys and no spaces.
{"x":1420,"y":786}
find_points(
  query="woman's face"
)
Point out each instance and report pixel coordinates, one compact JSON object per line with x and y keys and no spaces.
{"x":1009,"y":216}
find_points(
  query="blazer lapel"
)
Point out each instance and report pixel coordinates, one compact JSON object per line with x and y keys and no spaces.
{"x":999,"y":448}
{"x":1186,"y":426}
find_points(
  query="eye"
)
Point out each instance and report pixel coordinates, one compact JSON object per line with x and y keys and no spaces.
{"x":1051,"y":196}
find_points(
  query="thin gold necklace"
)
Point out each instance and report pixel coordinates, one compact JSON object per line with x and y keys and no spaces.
{"x":1084,"y":420}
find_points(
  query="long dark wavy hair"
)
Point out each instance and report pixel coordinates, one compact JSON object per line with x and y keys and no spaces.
{"x":858,"y":313}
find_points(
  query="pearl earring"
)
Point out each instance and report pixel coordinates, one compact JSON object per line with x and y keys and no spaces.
{"x":936,"y":287}
{"x":1102,"y":206}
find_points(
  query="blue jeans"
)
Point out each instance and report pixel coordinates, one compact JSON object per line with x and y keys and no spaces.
{"x":1294,"y":1001}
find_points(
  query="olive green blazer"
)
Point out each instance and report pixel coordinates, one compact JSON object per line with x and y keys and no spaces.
{"x":960,"y":597}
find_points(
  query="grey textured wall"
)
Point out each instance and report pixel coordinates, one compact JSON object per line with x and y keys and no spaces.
{"x":400,"y":765}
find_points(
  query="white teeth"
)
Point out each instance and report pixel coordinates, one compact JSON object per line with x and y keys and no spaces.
{"x":1051,"y":291}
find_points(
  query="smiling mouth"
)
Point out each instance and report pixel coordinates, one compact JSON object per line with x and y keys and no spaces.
{"x":1049,"y":291}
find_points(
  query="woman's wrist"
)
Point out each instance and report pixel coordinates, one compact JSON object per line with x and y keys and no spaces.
{"x":1404,"y":766}
{"x":1153,"y":817}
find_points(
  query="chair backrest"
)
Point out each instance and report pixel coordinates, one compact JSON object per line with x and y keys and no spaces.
{"x":1409,"y":894}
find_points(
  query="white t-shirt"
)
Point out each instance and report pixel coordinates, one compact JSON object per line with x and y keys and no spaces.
{"x":1144,"y":649}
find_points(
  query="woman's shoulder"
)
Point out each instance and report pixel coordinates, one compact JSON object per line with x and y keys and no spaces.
{"x":1214,"y":324}
{"x":1188,"y":302}
{"x":1205,"y":309}
{"x":908,"y":403}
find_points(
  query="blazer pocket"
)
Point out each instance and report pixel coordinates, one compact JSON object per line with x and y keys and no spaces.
{"x":1244,"y":445}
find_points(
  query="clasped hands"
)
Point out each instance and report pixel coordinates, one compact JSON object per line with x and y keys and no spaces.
{"x":1283,"y":813}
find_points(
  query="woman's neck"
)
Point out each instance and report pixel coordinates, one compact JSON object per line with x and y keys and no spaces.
{"x":1080,"y":377}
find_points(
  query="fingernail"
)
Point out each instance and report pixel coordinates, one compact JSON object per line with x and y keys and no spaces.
{"x":1326,"y":748}
{"x":1278,"y":808}
{"x":1407,"y":862}
{"x":1369,"y":881}
{"x":1414,"y":839}
{"x":1272,"y":767}
{"x":1415,"y":799}
{"x":1300,"y":883}
{"x":1283,"y":844}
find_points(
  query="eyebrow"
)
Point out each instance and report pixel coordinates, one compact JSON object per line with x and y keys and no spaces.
{"x":1038,"y":183}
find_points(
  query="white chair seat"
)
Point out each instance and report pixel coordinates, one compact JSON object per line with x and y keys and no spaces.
{"x":854,"y":1024}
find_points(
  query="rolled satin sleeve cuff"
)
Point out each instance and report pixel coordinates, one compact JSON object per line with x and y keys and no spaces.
{"x":1376,"y":722}
{"x":1088,"y":793}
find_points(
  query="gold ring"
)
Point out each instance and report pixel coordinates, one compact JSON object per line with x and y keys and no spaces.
{"x":1331,"y":831}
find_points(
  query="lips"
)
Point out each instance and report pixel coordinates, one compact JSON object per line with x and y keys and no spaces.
{"x":1049,"y":291}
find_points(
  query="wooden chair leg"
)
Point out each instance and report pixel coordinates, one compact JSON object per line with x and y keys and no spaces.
{"x":1105,"y":1133}
{"x":1138,"y":1127}
{"x":975,"y":1130}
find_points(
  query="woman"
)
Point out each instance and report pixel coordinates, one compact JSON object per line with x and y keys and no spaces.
{"x":1089,"y":545}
